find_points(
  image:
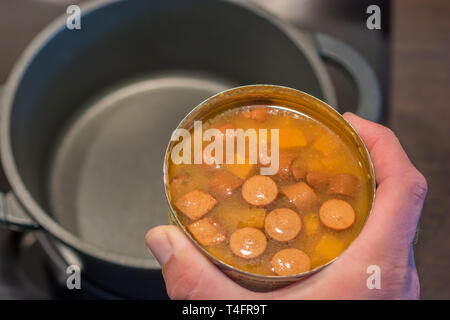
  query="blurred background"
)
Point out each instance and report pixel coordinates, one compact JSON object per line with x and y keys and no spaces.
{"x":410,"y":56}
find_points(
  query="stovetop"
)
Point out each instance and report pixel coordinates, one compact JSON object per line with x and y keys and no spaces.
{"x":25,"y":271}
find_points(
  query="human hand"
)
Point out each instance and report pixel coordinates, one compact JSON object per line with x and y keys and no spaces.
{"x":385,"y":241}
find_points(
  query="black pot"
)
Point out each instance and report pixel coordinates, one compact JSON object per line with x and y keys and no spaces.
{"x":86,"y":115}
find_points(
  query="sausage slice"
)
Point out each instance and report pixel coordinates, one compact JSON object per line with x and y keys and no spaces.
{"x":285,"y":159}
{"x":195,"y":204}
{"x":290,"y":261}
{"x":284,"y":164}
{"x":302,"y":196}
{"x":298,"y":173}
{"x":223,"y":184}
{"x":258,"y":113}
{"x":317,"y":180}
{"x":207,"y":232}
{"x":283,"y":224}
{"x":337,"y":214}
{"x":259,"y":190}
{"x":297,"y":169}
{"x":343,"y":184}
{"x":248,"y":242}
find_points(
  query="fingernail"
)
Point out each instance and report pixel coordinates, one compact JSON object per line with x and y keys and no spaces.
{"x":160,"y":246}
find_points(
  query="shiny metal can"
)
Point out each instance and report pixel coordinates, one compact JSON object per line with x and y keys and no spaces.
{"x":289,"y":99}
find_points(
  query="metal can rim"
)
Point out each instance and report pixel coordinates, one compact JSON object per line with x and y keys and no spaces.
{"x":221,"y":263}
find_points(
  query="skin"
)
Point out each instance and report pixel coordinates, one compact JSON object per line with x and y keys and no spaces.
{"x":385,"y":241}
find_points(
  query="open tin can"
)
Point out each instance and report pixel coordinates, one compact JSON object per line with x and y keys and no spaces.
{"x":288,"y":99}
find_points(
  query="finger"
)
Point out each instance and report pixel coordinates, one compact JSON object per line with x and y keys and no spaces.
{"x":414,"y":283}
{"x":400,"y":192}
{"x":187,"y":272}
{"x":387,"y":154}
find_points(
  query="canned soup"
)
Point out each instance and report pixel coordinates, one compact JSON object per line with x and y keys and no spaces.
{"x":283,"y":224}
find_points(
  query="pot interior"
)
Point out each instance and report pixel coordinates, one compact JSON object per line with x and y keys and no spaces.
{"x":94,"y":108}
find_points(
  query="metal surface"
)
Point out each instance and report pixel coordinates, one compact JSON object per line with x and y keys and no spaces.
{"x":82,"y":145}
{"x":369,"y":92}
{"x":346,"y":20}
{"x":13,"y":215}
{"x":343,"y":19}
{"x":287,"y":99}
{"x":36,"y":109}
{"x":105,"y":178}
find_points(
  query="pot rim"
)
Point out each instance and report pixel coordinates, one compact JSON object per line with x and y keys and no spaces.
{"x":226,"y":266}
{"x":18,"y":187}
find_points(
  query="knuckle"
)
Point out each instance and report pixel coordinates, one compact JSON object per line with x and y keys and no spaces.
{"x":418,"y":185}
{"x":181,"y":282}
{"x":387,"y":132}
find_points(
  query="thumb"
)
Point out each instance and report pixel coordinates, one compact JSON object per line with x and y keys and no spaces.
{"x":187,"y":272}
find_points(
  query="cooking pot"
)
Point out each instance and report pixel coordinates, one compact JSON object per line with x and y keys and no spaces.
{"x":86,"y":115}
